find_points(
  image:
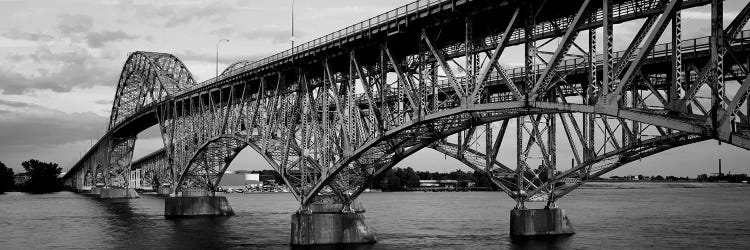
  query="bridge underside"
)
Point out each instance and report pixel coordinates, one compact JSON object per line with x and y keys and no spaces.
{"x":334,"y":115}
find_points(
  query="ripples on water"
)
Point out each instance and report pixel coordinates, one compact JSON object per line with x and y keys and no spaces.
{"x":613,"y":218}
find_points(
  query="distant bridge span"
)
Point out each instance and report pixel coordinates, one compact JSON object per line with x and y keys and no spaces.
{"x":334,"y":114}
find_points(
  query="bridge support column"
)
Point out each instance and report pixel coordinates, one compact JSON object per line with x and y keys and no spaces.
{"x":118,"y":193}
{"x":85,"y":189}
{"x":165,"y":191}
{"x":95,"y":191}
{"x":188,"y":206}
{"x":531,"y":223}
{"x":322,"y":224}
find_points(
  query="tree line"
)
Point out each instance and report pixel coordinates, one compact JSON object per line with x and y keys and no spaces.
{"x":43,"y":177}
{"x":400,"y":179}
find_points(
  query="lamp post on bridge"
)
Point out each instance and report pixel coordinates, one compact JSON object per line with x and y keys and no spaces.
{"x":292,"y":38}
{"x":217,"y":54}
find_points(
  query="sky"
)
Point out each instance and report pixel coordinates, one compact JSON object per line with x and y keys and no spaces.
{"x":60,"y":62}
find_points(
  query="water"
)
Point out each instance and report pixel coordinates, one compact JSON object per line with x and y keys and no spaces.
{"x":624,"y":216}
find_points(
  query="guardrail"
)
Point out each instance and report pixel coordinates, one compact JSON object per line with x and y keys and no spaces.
{"x":660,"y":50}
{"x":138,"y":112}
{"x":395,"y":14}
{"x":625,"y":8}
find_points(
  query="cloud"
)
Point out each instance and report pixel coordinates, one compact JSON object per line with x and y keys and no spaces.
{"x":214,"y":12}
{"x":28,"y":36}
{"x":98,"y":39}
{"x":26,"y":124}
{"x":74,"y":24}
{"x":56,"y":71}
{"x":277,"y":36}
{"x":211,"y":58}
{"x":178,"y":14}
{"x":104,"y":102}
{"x":700,"y":15}
{"x":13,"y":104}
{"x":228,"y":31}
{"x":706,"y":15}
{"x":16,"y":58}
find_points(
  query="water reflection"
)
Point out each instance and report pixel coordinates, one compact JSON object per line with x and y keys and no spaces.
{"x":139,"y":220}
{"x":121,"y":221}
{"x":337,"y":247}
{"x":201,"y":232}
{"x":612,"y":219}
{"x":553,"y":242}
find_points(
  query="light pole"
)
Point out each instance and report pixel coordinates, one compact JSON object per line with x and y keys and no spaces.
{"x":217,"y":54}
{"x":292,"y":39}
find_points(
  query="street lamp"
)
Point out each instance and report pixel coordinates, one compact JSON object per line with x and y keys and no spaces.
{"x":292,"y":39}
{"x":217,"y":54}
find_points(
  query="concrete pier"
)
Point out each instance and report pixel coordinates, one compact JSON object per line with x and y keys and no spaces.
{"x":530,"y":223}
{"x":194,"y":193}
{"x":118,"y":193}
{"x":327,"y":224}
{"x":95,"y":191}
{"x":166,"y":191}
{"x":197,"y":206}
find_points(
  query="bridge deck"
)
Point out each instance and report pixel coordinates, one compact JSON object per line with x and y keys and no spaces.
{"x":404,"y":26}
{"x":402,"y":22}
{"x":693,"y":49}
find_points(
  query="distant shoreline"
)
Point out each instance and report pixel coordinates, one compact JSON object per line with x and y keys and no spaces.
{"x":665,"y":181}
{"x":658,"y":184}
{"x":606,"y":184}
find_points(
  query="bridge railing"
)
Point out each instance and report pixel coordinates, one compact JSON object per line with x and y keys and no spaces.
{"x":138,"y":112}
{"x":516,"y":74}
{"x":660,"y":50}
{"x":415,"y":7}
{"x":368,"y":24}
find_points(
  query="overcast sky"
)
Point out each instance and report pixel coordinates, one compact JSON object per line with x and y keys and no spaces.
{"x":60,"y":62}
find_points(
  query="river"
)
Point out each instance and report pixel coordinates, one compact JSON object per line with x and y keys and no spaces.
{"x":605,"y":216}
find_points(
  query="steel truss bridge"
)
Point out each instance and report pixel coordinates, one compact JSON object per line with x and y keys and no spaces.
{"x":334,"y":114}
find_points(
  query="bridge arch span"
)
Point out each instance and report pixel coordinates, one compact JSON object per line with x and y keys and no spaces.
{"x":146,"y":78}
{"x":99,"y":175}
{"x":207,"y":165}
{"x":398,"y":143}
{"x":236,"y":66}
{"x":575,"y":176}
{"x":88,"y":179}
{"x":608,"y":161}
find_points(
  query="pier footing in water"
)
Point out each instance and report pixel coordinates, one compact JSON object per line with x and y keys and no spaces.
{"x":118,"y":193}
{"x":532,"y":223}
{"x":331,"y":224}
{"x":95,"y":191}
{"x":164,"y":191}
{"x":197,"y":206}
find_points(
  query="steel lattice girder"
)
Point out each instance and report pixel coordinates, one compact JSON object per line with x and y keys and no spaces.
{"x":411,"y":97}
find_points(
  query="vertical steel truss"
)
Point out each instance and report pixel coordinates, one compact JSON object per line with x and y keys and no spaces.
{"x":333,"y":127}
{"x":156,"y":170}
{"x":599,"y":142}
{"x":147,"y":80}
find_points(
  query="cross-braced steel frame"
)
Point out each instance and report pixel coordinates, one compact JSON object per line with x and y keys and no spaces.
{"x":333,"y":116}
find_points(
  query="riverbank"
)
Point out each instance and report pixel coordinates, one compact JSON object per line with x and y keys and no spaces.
{"x":645,"y":185}
{"x":656,"y":218}
{"x":604,"y":185}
